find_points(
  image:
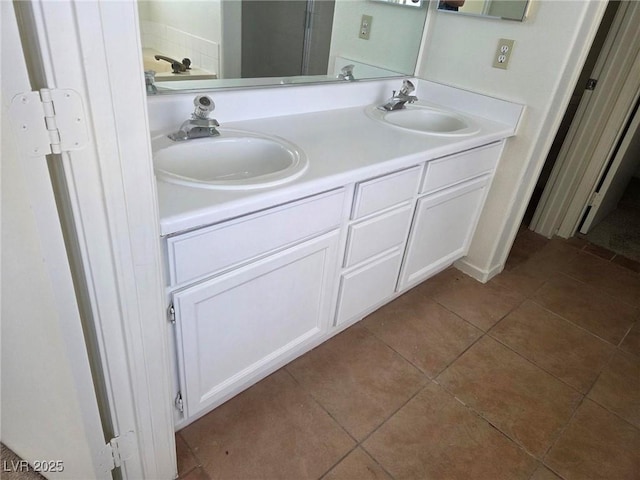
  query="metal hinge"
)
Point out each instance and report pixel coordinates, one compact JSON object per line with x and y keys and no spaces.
{"x":591,"y":84}
{"x":117,"y":451}
{"x":179,"y":403}
{"x":171,"y":313}
{"x":595,"y":200}
{"x":49,"y":121}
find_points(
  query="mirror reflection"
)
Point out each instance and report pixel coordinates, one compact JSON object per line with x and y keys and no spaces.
{"x":504,"y":9}
{"x":221,"y":43}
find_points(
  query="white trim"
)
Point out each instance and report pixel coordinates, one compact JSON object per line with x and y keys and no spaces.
{"x":476,"y":272}
{"x":111,"y":192}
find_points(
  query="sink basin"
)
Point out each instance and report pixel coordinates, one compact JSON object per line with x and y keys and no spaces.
{"x":426,"y":120}
{"x":235,"y":160}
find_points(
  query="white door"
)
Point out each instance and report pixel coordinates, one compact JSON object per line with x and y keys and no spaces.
{"x":617,"y":176}
{"x":49,"y":409}
{"x":595,"y":129}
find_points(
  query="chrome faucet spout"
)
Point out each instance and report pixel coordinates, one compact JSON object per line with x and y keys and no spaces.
{"x":176,"y":66}
{"x":199,"y":125}
{"x":399,"y":100}
{"x":346,"y":73}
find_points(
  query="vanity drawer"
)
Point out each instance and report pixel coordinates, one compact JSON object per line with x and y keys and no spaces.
{"x":368,"y":286}
{"x":384,"y":192}
{"x":206,"y":251}
{"x":375,"y":235}
{"x":447,"y":171}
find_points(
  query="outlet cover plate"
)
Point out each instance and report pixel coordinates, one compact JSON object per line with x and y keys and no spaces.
{"x":365,"y":27}
{"x":503,"y":53}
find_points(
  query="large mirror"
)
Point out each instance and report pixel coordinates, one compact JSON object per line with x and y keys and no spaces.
{"x":232,"y":43}
{"x":502,"y":9}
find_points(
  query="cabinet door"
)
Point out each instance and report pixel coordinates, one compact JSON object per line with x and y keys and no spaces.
{"x":234,"y":329}
{"x":442,"y":229}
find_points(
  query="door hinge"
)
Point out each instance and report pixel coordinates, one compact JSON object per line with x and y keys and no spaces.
{"x":171,"y":313}
{"x":591,"y":84}
{"x":117,"y":451}
{"x":179,"y":403}
{"x":595,"y":200}
{"x":49,"y":121}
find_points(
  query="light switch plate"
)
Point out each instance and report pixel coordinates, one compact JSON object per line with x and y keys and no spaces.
{"x":365,"y":27}
{"x":503,"y":53}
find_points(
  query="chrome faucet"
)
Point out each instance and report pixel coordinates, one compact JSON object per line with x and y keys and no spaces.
{"x":199,"y":125}
{"x":398,"y":100}
{"x":176,"y":66}
{"x":149,"y":81}
{"x":346,"y":73}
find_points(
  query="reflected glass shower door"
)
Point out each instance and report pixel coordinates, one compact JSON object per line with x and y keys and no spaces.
{"x":285,"y":38}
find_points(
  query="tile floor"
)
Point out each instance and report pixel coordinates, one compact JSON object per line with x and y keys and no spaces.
{"x":535,"y":375}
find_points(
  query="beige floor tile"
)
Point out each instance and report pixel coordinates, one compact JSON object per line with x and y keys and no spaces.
{"x":422,"y":331}
{"x":543,"y":473}
{"x":482,"y":305}
{"x":596,"y":444}
{"x":523,"y":401}
{"x":435,"y":284}
{"x":358,"y":379}
{"x":273,"y":430}
{"x":627,"y":263}
{"x":631,"y":342}
{"x":553,"y":256}
{"x":588,"y":307}
{"x":556,"y":345}
{"x":435,"y":436}
{"x":618,"y":388}
{"x":186,"y":460}
{"x":526,"y":244}
{"x":617,"y":281}
{"x":196,"y":474}
{"x":357,"y":466}
{"x":599,"y":251}
{"x":530,"y":275}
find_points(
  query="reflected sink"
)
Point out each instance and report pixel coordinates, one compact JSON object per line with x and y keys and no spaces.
{"x":426,"y":120}
{"x":235,"y":160}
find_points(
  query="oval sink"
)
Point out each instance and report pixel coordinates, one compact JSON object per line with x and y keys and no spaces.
{"x":426,"y":120}
{"x":234,"y":160}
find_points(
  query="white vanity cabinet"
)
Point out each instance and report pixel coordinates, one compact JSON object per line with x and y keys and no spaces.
{"x":263,"y":293}
{"x":451,"y":197}
{"x":381,"y":216}
{"x":252,"y":293}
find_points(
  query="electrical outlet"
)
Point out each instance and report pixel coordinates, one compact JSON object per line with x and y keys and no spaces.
{"x":365,"y":27}
{"x":503,"y":53}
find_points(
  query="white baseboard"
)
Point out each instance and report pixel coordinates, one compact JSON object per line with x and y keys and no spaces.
{"x":476,"y":272}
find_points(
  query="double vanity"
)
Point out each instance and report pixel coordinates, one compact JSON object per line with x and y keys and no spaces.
{"x":299,"y":219}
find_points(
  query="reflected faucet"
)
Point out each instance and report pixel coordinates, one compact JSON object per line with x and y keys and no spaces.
{"x":149,"y":81}
{"x":199,"y":125}
{"x":176,"y":66}
{"x":346,"y":73}
{"x":398,"y":101}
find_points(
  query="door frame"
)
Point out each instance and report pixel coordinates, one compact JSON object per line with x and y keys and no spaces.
{"x":107,"y":202}
{"x":584,"y":155}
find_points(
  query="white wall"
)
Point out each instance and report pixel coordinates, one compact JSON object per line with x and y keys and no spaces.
{"x":550,"y":47}
{"x":395,"y":34}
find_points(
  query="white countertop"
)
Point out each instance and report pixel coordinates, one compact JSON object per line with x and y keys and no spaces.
{"x":342,"y":145}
